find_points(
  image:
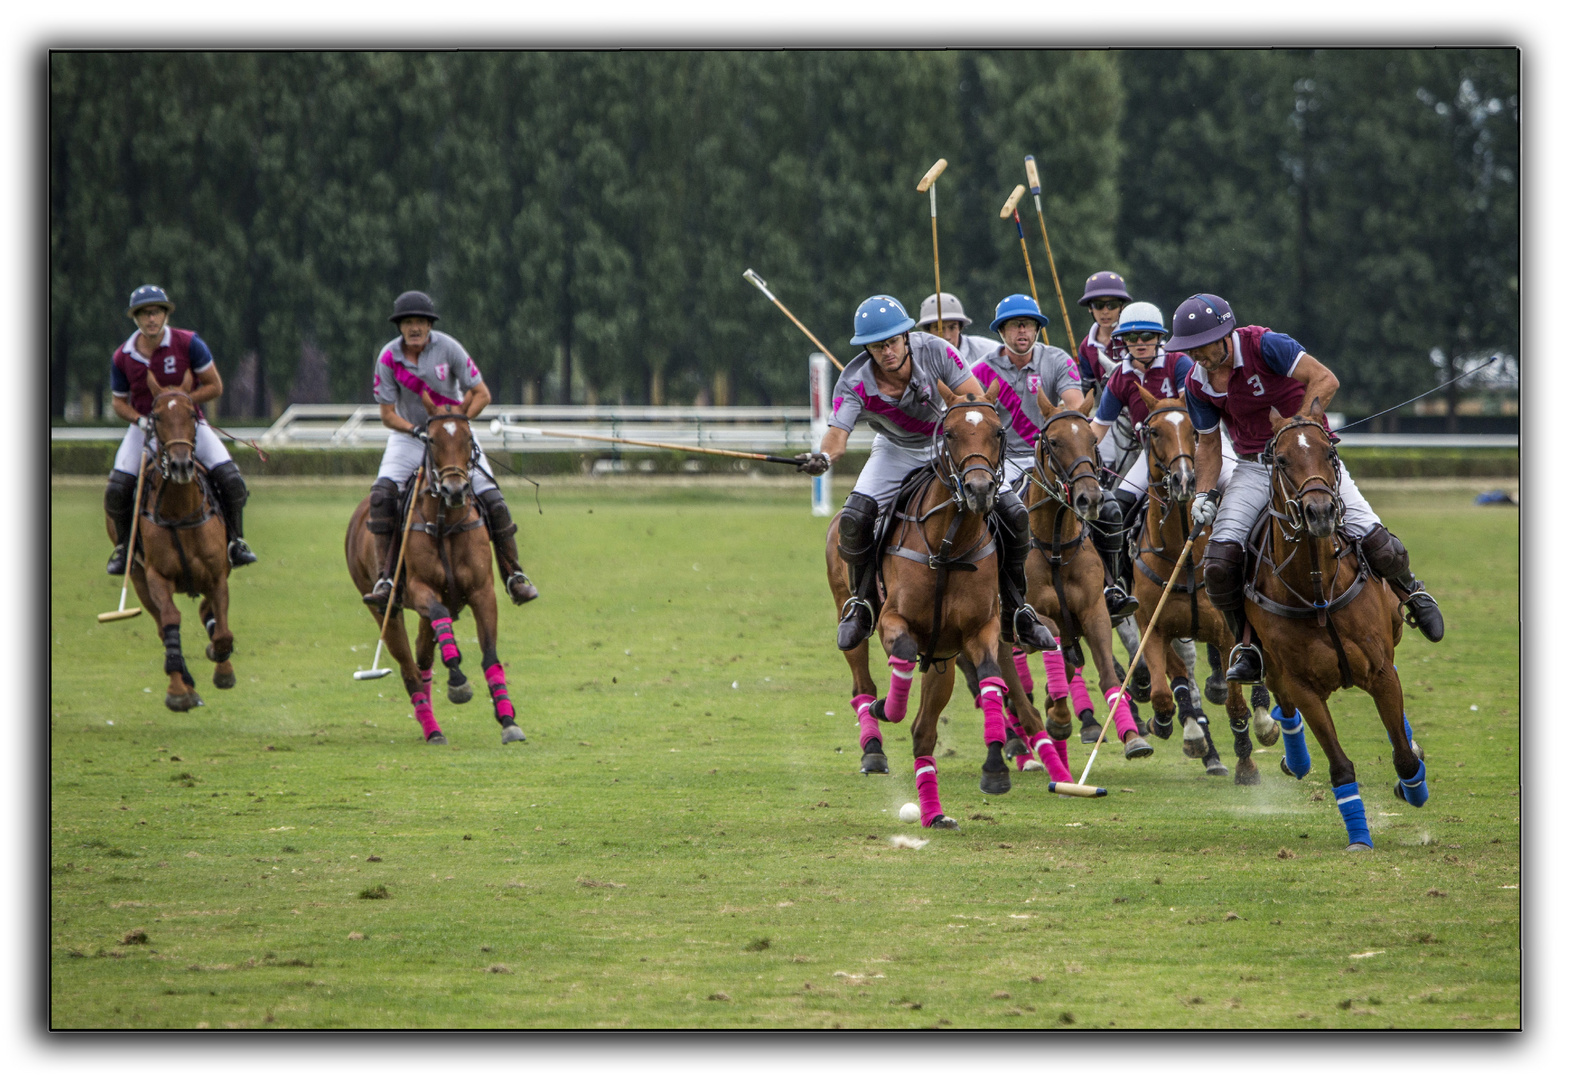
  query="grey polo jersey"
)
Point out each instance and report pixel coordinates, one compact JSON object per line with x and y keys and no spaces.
{"x":444,"y":370}
{"x":1050,"y":369}
{"x":909,"y":421}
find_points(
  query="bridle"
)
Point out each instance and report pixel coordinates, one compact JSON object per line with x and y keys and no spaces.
{"x":439,"y":475}
{"x":953,"y":473}
{"x":164,"y":445}
{"x":1292,"y":513}
{"x":1063,"y":478}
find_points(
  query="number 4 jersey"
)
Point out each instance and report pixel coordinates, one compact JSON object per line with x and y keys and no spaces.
{"x":179,"y":351}
{"x":1262,"y":379}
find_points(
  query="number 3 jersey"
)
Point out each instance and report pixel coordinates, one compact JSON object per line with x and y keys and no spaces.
{"x":179,"y":351}
{"x":1262,"y":380}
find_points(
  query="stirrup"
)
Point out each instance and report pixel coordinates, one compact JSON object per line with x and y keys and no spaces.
{"x":851,"y":634}
{"x":525,"y":591}
{"x":380,"y":594}
{"x":240,"y":553}
{"x":117,"y":561}
{"x":1245,"y":664}
{"x":1120,"y":605}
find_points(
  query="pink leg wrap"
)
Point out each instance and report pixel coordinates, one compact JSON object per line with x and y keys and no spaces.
{"x":444,"y":638}
{"x":992,"y":701}
{"x":900,"y":674}
{"x":1062,"y":746}
{"x":497,"y":681}
{"x":425,"y":681}
{"x":1057,"y":768}
{"x":1057,"y":681}
{"x":1023,"y":668}
{"x":1078,"y":692}
{"x":861,"y":704}
{"x":423,"y":714}
{"x":1013,"y":729}
{"x":1121,"y":717}
{"x":927,"y":790}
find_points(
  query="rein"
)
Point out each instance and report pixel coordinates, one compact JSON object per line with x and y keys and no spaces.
{"x":1190,"y":585}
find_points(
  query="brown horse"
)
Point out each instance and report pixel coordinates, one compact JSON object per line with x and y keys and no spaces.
{"x":1170,"y":441}
{"x":1325,"y":622}
{"x":447,"y":566}
{"x":940,"y":576}
{"x":184,"y":548}
{"x":1064,"y":572}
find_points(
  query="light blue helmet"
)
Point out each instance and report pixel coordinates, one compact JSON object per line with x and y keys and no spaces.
{"x":1016,"y":306}
{"x":879,"y":318}
{"x":1140,"y":316}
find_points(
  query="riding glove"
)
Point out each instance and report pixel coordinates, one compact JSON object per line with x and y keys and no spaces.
{"x":1203,"y":511}
{"x":814,"y":464}
{"x":146,"y":424}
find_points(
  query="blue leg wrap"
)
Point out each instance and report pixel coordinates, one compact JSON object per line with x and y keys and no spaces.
{"x":1351,"y":803}
{"x":1414,"y":791}
{"x":1295,"y":748}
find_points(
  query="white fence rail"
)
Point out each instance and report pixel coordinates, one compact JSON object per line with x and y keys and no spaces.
{"x":764,"y":429}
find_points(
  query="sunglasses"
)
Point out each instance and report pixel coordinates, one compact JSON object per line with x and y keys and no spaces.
{"x":1106,"y":305}
{"x":1142,"y":337}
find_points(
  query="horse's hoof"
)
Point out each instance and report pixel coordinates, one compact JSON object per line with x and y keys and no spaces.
{"x":1267,"y":730}
{"x":1033,"y":765}
{"x":875,"y":763}
{"x":183,"y":702}
{"x":1216,"y":688}
{"x":1015,"y":747}
{"x":995,"y":783}
{"x":1141,"y":727}
{"x":1247,"y":773}
{"x":1286,"y":771}
{"x":436,"y":738}
{"x":1194,"y":739}
{"x":512,"y":733}
{"x":460,"y":693}
{"x":1090,"y":730}
{"x":1214,"y":766}
{"x":1055,"y":730}
{"x":943,"y":821}
{"x":223,"y":681}
{"x":1352,"y":848}
{"x":1136,"y":747}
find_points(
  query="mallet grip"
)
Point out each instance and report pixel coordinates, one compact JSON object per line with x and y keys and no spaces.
{"x":1036,"y":181}
{"x":1013,"y":201}
{"x":932,"y":174}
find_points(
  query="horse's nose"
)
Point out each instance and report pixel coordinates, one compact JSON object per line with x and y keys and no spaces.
{"x":1184,"y":484}
{"x":980,"y":495}
{"x":1319,"y":517}
{"x":1086,"y":505}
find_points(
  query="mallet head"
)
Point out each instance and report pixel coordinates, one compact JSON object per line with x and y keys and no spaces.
{"x":116,"y":616}
{"x":1036,"y":181}
{"x":932,"y":174}
{"x":1013,"y":201}
{"x":373,"y":673}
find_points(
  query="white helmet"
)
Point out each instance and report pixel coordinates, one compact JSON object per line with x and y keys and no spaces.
{"x":1140,"y":316}
{"x":953,"y":312}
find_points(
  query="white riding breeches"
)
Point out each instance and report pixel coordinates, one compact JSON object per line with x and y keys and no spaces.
{"x":404,"y":455}
{"x":887,"y":466}
{"x":210,"y":449}
{"x":1250,"y":492}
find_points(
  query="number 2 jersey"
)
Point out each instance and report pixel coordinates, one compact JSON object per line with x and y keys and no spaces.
{"x":179,"y":351}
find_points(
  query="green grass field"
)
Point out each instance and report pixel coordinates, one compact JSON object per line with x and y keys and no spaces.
{"x":684,"y":841}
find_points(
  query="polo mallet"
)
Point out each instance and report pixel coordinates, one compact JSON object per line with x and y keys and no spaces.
{"x":497,"y":428}
{"x":375,"y":672}
{"x":929,"y":179}
{"x":122,"y":612}
{"x":1010,"y":208}
{"x":1123,"y":691}
{"x":764,"y":288}
{"x":1036,"y":193}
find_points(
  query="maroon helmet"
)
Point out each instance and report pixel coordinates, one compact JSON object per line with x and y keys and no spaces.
{"x":1105,"y":283}
{"x":1200,"y":320}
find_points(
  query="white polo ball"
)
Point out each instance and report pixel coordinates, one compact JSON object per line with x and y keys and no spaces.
{"x":910,"y":812}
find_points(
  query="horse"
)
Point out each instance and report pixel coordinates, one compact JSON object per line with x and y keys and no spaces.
{"x":1064,"y":573}
{"x":184,"y":548}
{"x":1324,"y":621}
{"x":1170,"y":440}
{"x":940,"y":568}
{"x":446,"y":566}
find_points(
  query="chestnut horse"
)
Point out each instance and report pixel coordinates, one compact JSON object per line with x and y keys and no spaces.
{"x":1064,"y":573}
{"x":1324,"y":621}
{"x":940,"y":577}
{"x":1169,"y":437}
{"x":446,"y":567}
{"x":184,"y":548}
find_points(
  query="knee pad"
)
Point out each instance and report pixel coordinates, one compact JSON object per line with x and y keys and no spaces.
{"x":499,"y":518}
{"x":1224,"y":574}
{"x":1386,"y":555}
{"x":383,"y":518}
{"x":120,"y":494}
{"x":856,"y":527}
{"x":1013,"y":518}
{"x":231,"y":485}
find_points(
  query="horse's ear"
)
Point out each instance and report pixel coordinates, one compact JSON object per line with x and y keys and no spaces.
{"x":1277,"y":419}
{"x":992,"y":391}
{"x":1314,"y":408}
{"x":949,"y":396}
{"x":1045,"y":405}
{"x":1146,"y":396}
{"x":1088,"y":406}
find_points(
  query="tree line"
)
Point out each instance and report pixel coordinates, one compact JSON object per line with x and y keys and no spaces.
{"x":583,"y":218}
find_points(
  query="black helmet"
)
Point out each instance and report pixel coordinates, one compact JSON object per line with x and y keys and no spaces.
{"x":1200,"y":320}
{"x":413,"y":303}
